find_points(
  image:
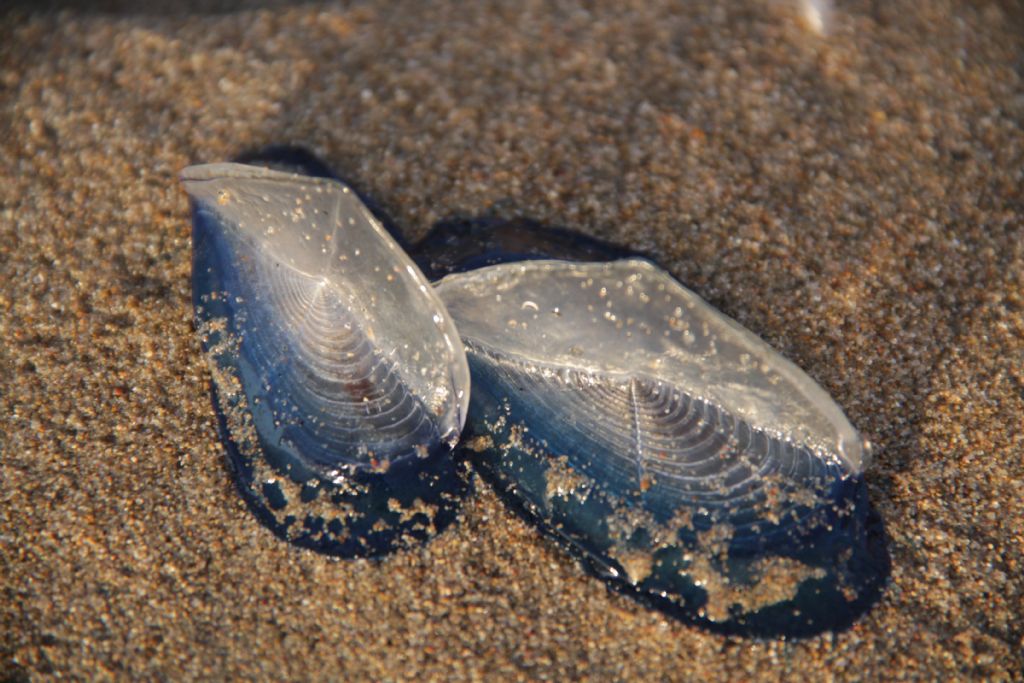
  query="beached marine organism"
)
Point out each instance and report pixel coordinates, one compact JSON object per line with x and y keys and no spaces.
{"x":676,"y":453}
{"x":339,"y":380}
{"x":671,"y":450}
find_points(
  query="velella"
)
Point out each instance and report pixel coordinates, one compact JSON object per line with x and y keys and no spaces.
{"x":676,"y":455}
{"x":674,"y":452}
{"x":339,"y":380}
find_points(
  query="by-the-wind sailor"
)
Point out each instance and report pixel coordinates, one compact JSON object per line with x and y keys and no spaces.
{"x":339,"y":379}
{"x":675,"y":452}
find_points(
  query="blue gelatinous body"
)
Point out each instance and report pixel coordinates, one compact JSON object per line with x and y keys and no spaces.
{"x":339,"y":381}
{"x":774,"y":581}
{"x":671,"y":450}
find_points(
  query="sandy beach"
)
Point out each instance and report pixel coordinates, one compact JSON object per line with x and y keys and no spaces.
{"x":846,"y":184}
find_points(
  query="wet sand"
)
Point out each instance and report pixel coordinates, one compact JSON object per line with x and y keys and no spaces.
{"x":853,"y":197}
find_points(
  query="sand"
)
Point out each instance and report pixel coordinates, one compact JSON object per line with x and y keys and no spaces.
{"x":852,"y":196}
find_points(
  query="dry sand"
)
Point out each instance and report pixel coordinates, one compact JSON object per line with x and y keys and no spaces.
{"x":855,"y":198}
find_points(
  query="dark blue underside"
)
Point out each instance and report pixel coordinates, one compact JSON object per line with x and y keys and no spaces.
{"x":848,"y":548}
{"x":373,"y":527}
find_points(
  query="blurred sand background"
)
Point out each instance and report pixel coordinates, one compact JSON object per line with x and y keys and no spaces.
{"x":853,"y":196}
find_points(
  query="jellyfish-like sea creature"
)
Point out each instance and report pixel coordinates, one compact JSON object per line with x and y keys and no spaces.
{"x":671,"y":449}
{"x":339,"y":379}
